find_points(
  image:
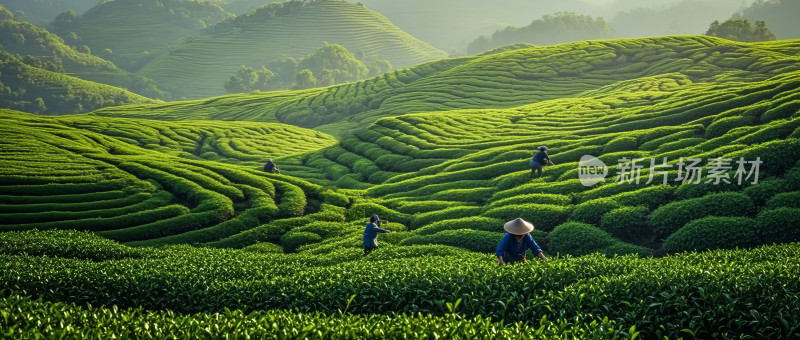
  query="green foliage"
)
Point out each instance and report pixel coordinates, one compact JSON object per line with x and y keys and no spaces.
{"x":543,"y":216}
{"x":65,"y":243}
{"x":474,"y":223}
{"x":293,"y":240}
{"x":620,"y":144}
{"x":671,"y":217}
{"x":362,"y":212}
{"x":279,"y":30}
{"x":779,"y":225}
{"x":592,"y":211}
{"x":110,"y":322}
{"x":787,"y":199}
{"x":550,"y":29}
{"x":473,"y":240}
{"x":652,"y":197}
{"x":740,"y":29}
{"x":204,"y":281}
{"x":721,"y":126}
{"x":578,"y":239}
{"x":714,"y":233}
{"x":428,"y":218}
{"x":264,"y":248}
{"x":248,"y":79}
{"x":626,"y":221}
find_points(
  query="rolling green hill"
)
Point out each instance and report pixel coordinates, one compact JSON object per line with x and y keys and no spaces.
{"x":153,"y":200}
{"x":200,"y":66}
{"x":434,"y":171}
{"x":27,"y":40}
{"x":135,"y":31}
{"x":42,"y":12}
{"x":502,"y":80}
{"x":40,"y":90}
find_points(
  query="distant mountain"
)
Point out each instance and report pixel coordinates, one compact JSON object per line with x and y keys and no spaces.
{"x":451,"y":25}
{"x":37,"y":89}
{"x":652,"y":18}
{"x":780,"y":16}
{"x":131,"y":32}
{"x":42,"y":12}
{"x":200,"y":66}
{"x":32,"y":42}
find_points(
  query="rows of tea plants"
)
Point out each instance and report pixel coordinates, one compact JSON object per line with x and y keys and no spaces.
{"x":148,"y":183}
{"x":502,"y":80}
{"x":77,"y":283}
{"x":439,"y":172}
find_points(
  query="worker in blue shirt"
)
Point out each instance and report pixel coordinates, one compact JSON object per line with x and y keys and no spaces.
{"x":371,"y":234}
{"x":540,"y":159}
{"x":517,"y":240}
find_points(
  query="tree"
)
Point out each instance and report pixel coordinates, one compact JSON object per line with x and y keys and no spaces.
{"x":335,"y":57}
{"x":781,"y":15}
{"x":38,"y":105}
{"x":550,"y":29}
{"x":740,"y":29}
{"x":248,"y":79}
{"x":304,"y":80}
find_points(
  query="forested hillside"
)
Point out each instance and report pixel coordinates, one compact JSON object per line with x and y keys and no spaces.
{"x":40,"y":47}
{"x":132,"y":32}
{"x":199,"y":67}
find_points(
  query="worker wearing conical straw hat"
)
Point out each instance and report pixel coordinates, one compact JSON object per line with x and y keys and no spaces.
{"x":517,"y":240}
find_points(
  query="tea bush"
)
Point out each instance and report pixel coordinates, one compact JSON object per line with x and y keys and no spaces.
{"x":474,"y":223}
{"x":779,"y":225}
{"x":474,"y":240}
{"x":577,"y":239}
{"x":293,"y":240}
{"x":671,"y":217}
{"x":424,"y":219}
{"x":787,"y":199}
{"x":543,"y":216}
{"x":592,"y":211}
{"x":626,"y":221}
{"x":713,"y":232}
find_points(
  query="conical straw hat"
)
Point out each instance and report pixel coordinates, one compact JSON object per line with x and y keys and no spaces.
{"x":518,"y":227}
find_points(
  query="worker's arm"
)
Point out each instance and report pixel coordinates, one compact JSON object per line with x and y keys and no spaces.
{"x":534,"y":247}
{"x":501,"y":249}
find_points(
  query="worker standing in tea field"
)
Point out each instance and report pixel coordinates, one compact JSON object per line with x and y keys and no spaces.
{"x":371,"y":234}
{"x":540,"y":159}
{"x":271,"y":167}
{"x":517,"y":240}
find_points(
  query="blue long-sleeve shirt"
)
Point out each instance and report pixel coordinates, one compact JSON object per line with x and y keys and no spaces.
{"x":371,"y":234}
{"x":541,"y":157}
{"x":512,"y":250}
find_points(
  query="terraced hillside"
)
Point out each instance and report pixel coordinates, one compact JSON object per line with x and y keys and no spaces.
{"x":436,"y":173}
{"x":447,"y":181}
{"x":502,"y":80}
{"x":147,"y":183}
{"x":135,"y":31}
{"x":38,"y":89}
{"x":199,"y":67}
{"x":24,"y":39}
